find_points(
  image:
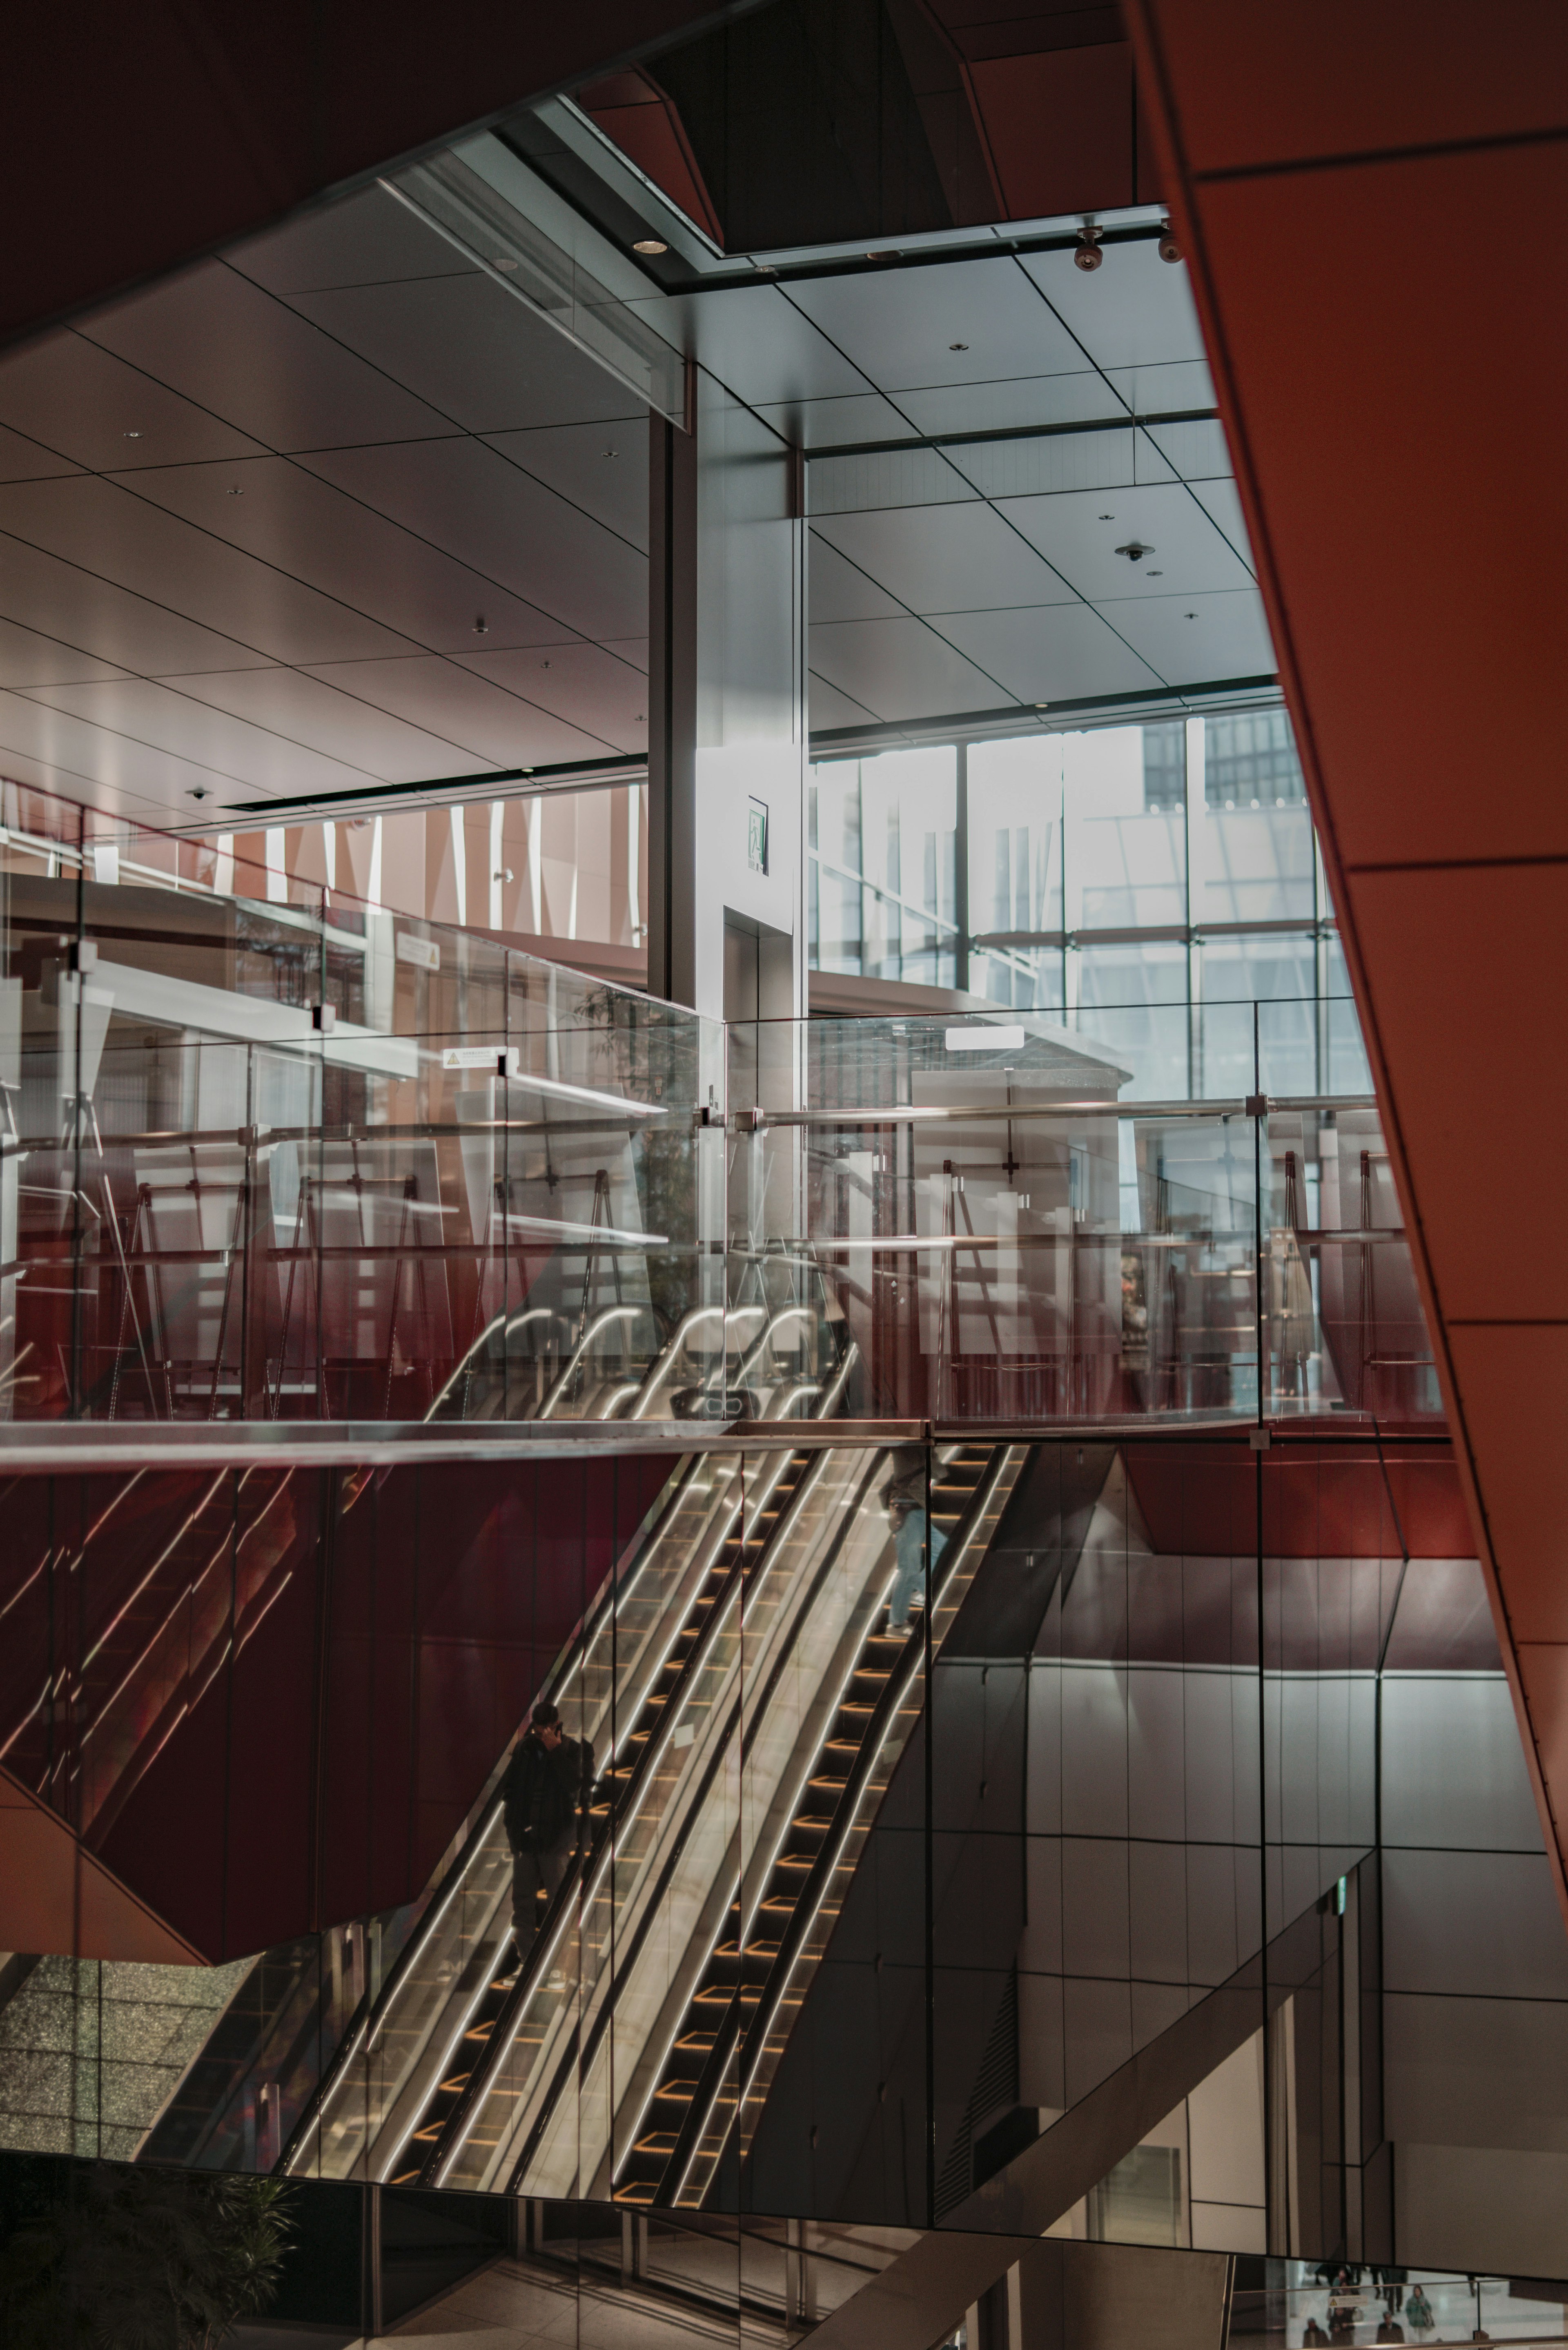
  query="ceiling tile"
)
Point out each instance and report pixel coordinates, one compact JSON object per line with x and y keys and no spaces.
{"x":164,"y":720}
{"x":124,"y":629}
{"x":290,"y":517}
{"x":602,"y":468}
{"x":633,"y":651}
{"x":1162,"y":390}
{"x":27,"y":659}
{"x":837,"y":590}
{"x":99,"y":523}
{"x":1198,"y":451}
{"x":362,"y":240}
{"x":755,"y":340}
{"x":1057,"y":652}
{"x":824,"y":423}
{"x":1221,"y":502}
{"x":310,"y":710}
{"x":897,"y":326}
{"x":70,"y":395}
{"x":827,"y":707}
{"x":472,"y":349}
{"x":77,"y":748}
{"x":1010,"y":406}
{"x":223,"y":341}
{"x":1193,"y":638}
{"x":22,"y":460}
{"x":582,"y":684}
{"x":462,"y":496}
{"x":1080,"y":532}
{"x":900,"y":669}
{"x":945,"y":558}
{"x":496,"y":728}
{"x":1135,"y":311}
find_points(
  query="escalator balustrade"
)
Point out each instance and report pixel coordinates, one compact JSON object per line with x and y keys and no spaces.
{"x":504,"y":1996}
{"x":692,"y":2109}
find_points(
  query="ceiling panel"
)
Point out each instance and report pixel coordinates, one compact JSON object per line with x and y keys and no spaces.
{"x":945,"y":558}
{"x":65,"y":601}
{"x":582,"y":684}
{"x":472,"y":349}
{"x":1198,"y":451}
{"x":898,"y":329}
{"x":363,"y":240}
{"x":1052,"y":653}
{"x":494,"y":727}
{"x":70,"y":395}
{"x":1191,"y":639}
{"x":22,"y":460}
{"x":756,"y":340}
{"x":310,"y":710}
{"x":75,"y":747}
{"x":283,"y":515}
{"x":226,"y":343}
{"x":464,"y":496}
{"x":1080,"y":532}
{"x":820,"y":423}
{"x":28,"y":659}
{"x":163,"y":719}
{"x":1164,"y":390}
{"x":633,"y":651}
{"x":603,"y":468}
{"x":826,"y":706}
{"x":839,"y":592}
{"x":99,"y":524}
{"x":898,"y":669}
{"x":1222,"y":502}
{"x":1017,"y":403}
{"x":1134,"y":311}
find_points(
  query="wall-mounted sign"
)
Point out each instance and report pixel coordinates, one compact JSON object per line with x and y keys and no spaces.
{"x":756,"y":835}
{"x":423,"y":953}
{"x":501,"y":1060}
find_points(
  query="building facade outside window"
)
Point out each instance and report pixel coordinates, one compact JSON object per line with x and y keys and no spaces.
{"x":1156,"y":888}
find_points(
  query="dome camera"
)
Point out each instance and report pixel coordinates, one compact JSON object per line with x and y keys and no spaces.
{"x":1170,"y":250}
{"x":1088,"y":255}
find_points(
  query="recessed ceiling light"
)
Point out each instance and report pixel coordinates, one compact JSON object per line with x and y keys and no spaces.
{"x":504,"y":264}
{"x":1189,"y":616}
{"x":133,"y":436}
{"x":199,"y":792}
{"x":958,"y":346}
{"x":650,"y":244}
{"x":1153,"y":575}
{"x":481,"y":626}
{"x":612,"y":453}
{"x":235,"y":491}
{"x":1108,"y":517}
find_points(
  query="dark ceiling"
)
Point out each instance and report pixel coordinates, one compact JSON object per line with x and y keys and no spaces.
{"x":821,"y":122}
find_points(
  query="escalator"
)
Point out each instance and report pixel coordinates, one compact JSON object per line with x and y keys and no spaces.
{"x":500,"y":1996}
{"x":744,"y":1990}
{"x":704,"y":1923}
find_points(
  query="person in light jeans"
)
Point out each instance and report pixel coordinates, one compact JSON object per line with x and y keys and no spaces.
{"x":909,"y":1528}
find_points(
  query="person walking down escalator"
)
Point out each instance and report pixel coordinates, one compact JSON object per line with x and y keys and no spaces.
{"x":906,"y":1517}
{"x":546,"y":1790}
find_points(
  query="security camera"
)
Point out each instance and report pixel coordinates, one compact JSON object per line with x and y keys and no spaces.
{"x":1168,"y":248}
{"x":1088,"y":255}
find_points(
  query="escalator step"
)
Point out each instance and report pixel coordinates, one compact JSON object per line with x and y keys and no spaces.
{"x":455,"y":2086}
{"x":694,"y":2043}
{"x":683,"y":2091}
{"x":660,"y":2142}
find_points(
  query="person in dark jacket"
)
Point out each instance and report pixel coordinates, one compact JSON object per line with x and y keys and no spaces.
{"x":547,"y":1799}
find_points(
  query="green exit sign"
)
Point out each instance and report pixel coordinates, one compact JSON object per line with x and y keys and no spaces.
{"x":757,"y":837}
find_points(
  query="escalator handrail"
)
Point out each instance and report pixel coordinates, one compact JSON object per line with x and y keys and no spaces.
{"x":600,"y":1322}
{"x":898,"y":1683}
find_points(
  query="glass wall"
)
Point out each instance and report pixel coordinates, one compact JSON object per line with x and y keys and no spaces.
{"x":1147,"y":884}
